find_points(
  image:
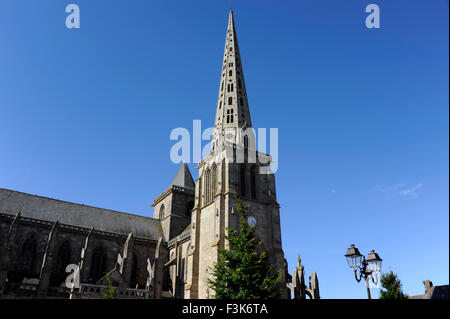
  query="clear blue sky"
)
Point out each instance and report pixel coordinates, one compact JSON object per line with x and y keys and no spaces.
{"x":85,"y":115}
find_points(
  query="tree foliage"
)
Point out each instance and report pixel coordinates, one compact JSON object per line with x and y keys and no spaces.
{"x":110,"y":293}
{"x":392,"y":287}
{"x":242,"y":271}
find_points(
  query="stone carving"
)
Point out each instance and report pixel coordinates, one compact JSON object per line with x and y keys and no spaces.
{"x":298,"y":287}
{"x":47,"y":261}
{"x":84,"y":249}
{"x":124,"y":262}
{"x":12,"y":226}
{"x":313,"y":286}
{"x":150,"y":286}
{"x":77,"y":276}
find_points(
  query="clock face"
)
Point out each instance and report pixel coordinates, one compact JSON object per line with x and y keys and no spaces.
{"x":251,"y":221}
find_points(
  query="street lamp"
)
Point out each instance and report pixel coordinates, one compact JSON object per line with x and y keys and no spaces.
{"x":356,"y":261}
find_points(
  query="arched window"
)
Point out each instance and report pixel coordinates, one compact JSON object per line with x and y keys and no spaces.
{"x":186,"y":264}
{"x":182,"y":270}
{"x":213,"y":182}
{"x":27,"y":257}
{"x":243,"y":184}
{"x":98,"y":264}
{"x":63,"y":257}
{"x":220,"y":104}
{"x":134,"y":271}
{"x":253,"y":182}
{"x":208,"y":186}
{"x":230,"y":116}
{"x":200,"y":187}
{"x":230,"y":101}
{"x":161,"y":212}
{"x":230,"y":73}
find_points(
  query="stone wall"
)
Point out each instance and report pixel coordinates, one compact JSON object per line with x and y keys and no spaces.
{"x":24,"y":241}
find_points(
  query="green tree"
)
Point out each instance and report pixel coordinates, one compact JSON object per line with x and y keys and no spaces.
{"x":110,"y":293}
{"x":392,"y":287}
{"x":243,"y":272}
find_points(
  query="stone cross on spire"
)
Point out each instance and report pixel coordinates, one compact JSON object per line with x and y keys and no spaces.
{"x":232,"y":104}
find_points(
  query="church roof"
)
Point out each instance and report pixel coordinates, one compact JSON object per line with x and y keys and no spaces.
{"x":52,"y":210}
{"x":183,"y":178}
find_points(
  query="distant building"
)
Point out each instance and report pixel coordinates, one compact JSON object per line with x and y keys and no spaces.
{"x":432,"y":292}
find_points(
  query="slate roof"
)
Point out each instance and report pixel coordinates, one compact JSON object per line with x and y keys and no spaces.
{"x":184,"y":177}
{"x":440,"y":292}
{"x":436,"y":292}
{"x":49,"y":209}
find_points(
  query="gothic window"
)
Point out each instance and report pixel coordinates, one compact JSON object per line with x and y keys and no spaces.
{"x":213,"y":181}
{"x":243,"y":185}
{"x":182,"y":270}
{"x":134,"y":271}
{"x":186,"y":264}
{"x":167,"y":281}
{"x":220,"y":104}
{"x":230,"y":115}
{"x":230,"y":101}
{"x":161,"y":212}
{"x":200,"y":187}
{"x":230,"y":87}
{"x":98,"y":265}
{"x":28,"y":256}
{"x":253,"y":182}
{"x":221,"y":89}
{"x":208,"y":186}
{"x":230,"y":73}
{"x":62,"y":260}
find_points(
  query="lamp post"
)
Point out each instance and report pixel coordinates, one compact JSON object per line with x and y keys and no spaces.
{"x":356,"y":261}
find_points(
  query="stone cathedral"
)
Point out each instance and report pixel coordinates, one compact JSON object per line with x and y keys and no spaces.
{"x":55,"y":249}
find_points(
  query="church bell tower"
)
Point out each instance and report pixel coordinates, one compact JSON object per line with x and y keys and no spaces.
{"x":234,"y":170}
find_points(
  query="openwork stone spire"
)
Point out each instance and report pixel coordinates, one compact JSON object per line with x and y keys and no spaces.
{"x":232,"y":104}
